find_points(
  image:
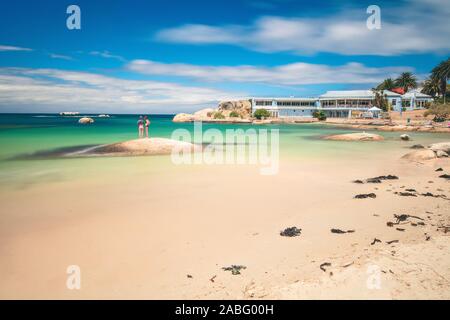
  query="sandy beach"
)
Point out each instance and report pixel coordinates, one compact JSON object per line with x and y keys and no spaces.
{"x":166,"y":234}
{"x":206,"y":151}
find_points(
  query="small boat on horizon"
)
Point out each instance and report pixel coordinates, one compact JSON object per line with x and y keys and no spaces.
{"x":69,"y":113}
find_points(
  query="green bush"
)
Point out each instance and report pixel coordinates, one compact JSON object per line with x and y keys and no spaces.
{"x":261,"y":113}
{"x":440,"y":111}
{"x":320,"y":115}
{"x":218,"y":115}
{"x":234,"y":114}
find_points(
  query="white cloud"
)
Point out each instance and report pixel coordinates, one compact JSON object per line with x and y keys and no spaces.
{"x":60,"y":56}
{"x":288,"y":74}
{"x":54,"y":90}
{"x":107,"y":54}
{"x":12,"y":48}
{"x":415,"y":27}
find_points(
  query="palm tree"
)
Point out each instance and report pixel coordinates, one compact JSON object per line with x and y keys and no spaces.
{"x":406,"y":80}
{"x":387,"y":84}
{"x":431,"y":86}
{"x":441,"y":73}
{"x":381,"y":100}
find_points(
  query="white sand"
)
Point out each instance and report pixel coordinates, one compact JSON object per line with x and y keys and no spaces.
{"x":140,"y":238}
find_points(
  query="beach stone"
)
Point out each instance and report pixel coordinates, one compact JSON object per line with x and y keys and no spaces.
{"x":86,"y":120}
{"x":405,"y":137}
{"x":358,"y":136}
{"x":441,"y":146}
{"x":137,"y":147}
{"x":420,"y":155}
{"x":417,"y":146}
{"x":441,"y":154}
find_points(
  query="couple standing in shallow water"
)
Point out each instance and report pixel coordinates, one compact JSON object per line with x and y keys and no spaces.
{"x":143,"y":122}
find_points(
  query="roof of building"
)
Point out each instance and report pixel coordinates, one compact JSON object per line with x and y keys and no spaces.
{"x":391,"y":93}
{"x":398,"y":90}
{"x":284,"y":98}
{"x":365,"y":94}
{"x":416,"y":94}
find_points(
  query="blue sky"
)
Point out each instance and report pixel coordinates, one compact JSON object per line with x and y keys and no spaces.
{"x":171,"y":56}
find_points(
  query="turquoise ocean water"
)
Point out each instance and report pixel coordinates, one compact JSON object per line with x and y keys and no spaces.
{"x":25,"y":134}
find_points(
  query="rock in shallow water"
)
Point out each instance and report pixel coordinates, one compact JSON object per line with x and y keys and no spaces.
{"x":358,"y":136}
{"x":405,"y":137}
{"x":86,"y":120}
{"x":138,"y":147}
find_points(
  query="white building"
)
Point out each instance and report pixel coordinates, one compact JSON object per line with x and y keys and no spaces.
{"x":286,"y":107}
{"x":338,"y":104}
{"x":415,"y":100}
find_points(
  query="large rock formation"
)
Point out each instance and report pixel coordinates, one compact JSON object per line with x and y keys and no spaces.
{"x":241,"y":110}
{"x":138,"y":147}
{"x":358,"y":136}
{"x":204,"y":113}
{"x":183,"y":117}
{"x":242,"y":107}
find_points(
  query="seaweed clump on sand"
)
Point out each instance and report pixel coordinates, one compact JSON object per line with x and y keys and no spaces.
{"x":235,"y":269}
{"x":339,"y":231}
{"x":364,"y":196}
{"x":381,"y":178}
{"x":291,"y":232}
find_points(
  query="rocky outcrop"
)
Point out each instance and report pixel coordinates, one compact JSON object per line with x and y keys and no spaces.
{"x":86,"y":120}
{"x":138,"y":147}
{"x":441,"y":154}
{"x":420,"y":155}
{"x":442,"y":146}
{"x":434,"y":151}
{"x":227,"y":112}
{"x":241,"y":107}
{"x":359,"y":136}
{"x":183,"y":117}
{"x":204,"y":113}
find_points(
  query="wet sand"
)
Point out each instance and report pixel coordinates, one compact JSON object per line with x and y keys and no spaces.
{"x":140,"y":235}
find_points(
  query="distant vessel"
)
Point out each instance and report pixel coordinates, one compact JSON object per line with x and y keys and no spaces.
{"x":69,"y":113}
{"x":103,"y":115}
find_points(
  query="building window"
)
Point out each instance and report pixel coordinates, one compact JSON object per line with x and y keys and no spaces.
{"x":263,"y":103}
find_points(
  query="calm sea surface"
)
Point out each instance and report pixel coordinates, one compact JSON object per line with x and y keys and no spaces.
{"x":22,"y":135}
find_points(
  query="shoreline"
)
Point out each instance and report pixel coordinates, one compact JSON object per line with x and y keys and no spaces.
{"x":350,"y":124}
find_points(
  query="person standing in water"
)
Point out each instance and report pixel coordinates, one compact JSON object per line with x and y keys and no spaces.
{"x":147,"y":124}
{"x":140,"y":124}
